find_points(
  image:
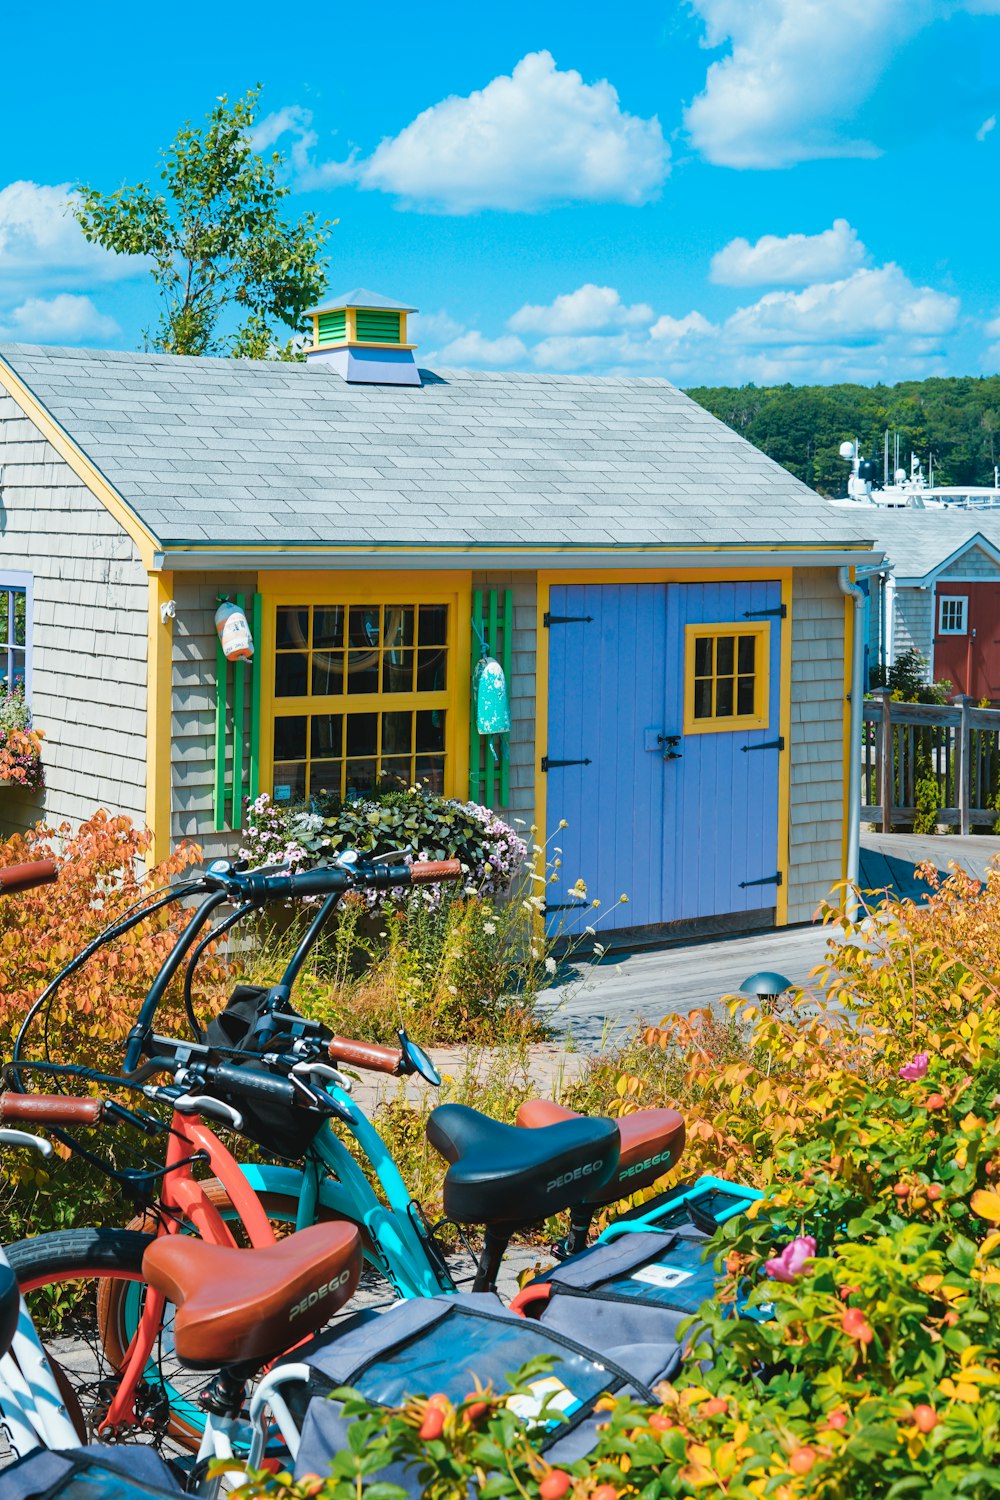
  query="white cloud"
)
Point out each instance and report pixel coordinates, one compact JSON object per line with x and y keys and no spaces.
{"x":524,"y":142}
{"x":309,"y":174}
{"x":41,"y":241}
{"x":667,"y":330}
{"x":856,"y":309}
{"x":796,"y":72}
{"x":587,"y":310}
{"x":472,"y":348}
{"x":992,"y":329}
{"x":64,"y":319}
{"x":439,"y":326}
{"x":986,"y":127}
{"x":789,"y":260}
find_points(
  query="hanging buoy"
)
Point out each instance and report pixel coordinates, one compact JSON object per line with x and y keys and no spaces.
{"x":234,"y":632}
{"x":492,"y":707}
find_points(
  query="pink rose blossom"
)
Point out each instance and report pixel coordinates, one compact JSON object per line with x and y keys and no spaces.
{"x":912,"y":1071}
{"x":793,"y":1260}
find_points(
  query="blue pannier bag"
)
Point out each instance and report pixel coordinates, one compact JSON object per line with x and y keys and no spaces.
{"x":92,"y":1473}
{"x":453,"y":1345}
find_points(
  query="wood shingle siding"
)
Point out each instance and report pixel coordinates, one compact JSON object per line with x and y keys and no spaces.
{"x":89,"y":629}
{"x":816,"y":811}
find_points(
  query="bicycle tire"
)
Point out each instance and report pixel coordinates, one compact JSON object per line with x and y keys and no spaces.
{"x":94,"y":1278}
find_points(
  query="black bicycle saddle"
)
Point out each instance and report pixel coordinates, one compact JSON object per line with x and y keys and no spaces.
{"x":500,"y":1174}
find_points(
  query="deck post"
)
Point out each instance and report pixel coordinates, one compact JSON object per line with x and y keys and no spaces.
{"x":963,"y":757}
{"x":885,"y":758}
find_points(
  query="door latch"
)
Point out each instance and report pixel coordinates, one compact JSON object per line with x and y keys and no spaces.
{"x":671,"y":741}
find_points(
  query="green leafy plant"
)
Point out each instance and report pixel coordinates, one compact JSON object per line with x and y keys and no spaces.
{"x":218,"y":246}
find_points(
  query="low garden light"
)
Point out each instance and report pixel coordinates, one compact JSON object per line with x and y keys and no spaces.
{"x":765,"y":986}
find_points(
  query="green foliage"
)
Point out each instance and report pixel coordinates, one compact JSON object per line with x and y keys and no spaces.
{"x":906,"y":680}
{"x":928,"y":804}
{"x":802,"y":427}
{"x":216,"y":240}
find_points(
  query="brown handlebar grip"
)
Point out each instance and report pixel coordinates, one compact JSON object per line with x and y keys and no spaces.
{"x":428,"y":871}
{"x":49,"y":1109}
{"x":23,"y":877}
{"x":366,"y":1055}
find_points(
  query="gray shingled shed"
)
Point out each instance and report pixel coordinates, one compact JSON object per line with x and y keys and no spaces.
{"x":665,"y":601}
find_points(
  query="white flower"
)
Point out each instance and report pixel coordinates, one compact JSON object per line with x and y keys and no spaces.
{"x":590,"y":931}
{"x":550,"y":965}
{"x":563,"y":823}
{"x":489,"y":928}
{"x":452,"y":989}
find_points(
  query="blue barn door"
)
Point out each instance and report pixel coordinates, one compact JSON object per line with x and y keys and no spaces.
{"x":664,"y":801}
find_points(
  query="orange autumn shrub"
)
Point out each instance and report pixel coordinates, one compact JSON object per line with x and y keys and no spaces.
{"x":101,"y":874}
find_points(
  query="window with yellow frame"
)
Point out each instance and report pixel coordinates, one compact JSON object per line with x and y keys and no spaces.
{"x":726,"y":673}
{"x":360,"y":697}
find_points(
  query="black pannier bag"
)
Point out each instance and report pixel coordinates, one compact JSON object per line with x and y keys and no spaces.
{"x":454,"y":1344}
{"x":640,"y":1286}
{"x":93,"y":1473}
{"x":281,"y":1129}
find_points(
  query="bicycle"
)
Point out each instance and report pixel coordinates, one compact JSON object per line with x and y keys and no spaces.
{"x":291,"y":1074}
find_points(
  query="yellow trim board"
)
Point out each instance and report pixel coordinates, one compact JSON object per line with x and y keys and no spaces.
{"x":785,"y":756}
{"x":159,"y":688}
{"x":70,"y":451}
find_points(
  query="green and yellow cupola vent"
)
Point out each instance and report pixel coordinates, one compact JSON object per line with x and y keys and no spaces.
{"x":362,"y":336}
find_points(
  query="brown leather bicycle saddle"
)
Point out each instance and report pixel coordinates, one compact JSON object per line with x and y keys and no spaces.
{"x":237,"y":1306}
{"x":652,"y":1141}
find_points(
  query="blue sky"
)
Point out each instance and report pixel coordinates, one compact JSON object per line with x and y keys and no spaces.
{"x":714,"y":191}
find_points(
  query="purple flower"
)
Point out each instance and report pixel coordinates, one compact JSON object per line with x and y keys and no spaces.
{"x":793,"y":1261}
{"x":915,"y":1070}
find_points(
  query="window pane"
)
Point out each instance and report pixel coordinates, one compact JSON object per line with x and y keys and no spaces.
{"x":362,"y":671}
{"x":703,"y":698}
{"x":747,"y":653}
{"x":430,"y":770}
{"x":744,"y":695}
{"x":327,"y":673}
{"x":431,"y":671}
{"x":324,"y":778}
{"x":430,"y":729}
{"x":433,"y":624}
{"x":703,"y":656}
{"x":395,"y":772}
{"x":17,"y":667}
{"x":292,"y":628}
{"x":397,"y":671}
{"x":397,"y":734}
{"x":361,"y":779}
{"x":363,"y":625}
{"x":326,"y":735}
{"x":289,"y":781}
{"x":725,"y":655}
{"x":724,"y":698}
{"x":328,"y":627}
{"x":290,"y":680}
{"x":290,"y":737}
{"x":398,"y":628}
{"x":20,"y":619}
{"x":361,"y":734}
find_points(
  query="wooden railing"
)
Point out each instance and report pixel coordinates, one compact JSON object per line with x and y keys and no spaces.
{"x":906,"y":744}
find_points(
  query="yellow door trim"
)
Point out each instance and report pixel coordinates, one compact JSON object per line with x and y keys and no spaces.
{"x":82,"y":467}
{"x":159,"y":673}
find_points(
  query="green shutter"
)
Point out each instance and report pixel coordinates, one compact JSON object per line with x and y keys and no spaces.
{"x":377,"y":326}
{"x":332,"y":326}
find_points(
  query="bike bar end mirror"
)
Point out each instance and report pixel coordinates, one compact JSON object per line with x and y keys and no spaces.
{"x":415,"y":1060}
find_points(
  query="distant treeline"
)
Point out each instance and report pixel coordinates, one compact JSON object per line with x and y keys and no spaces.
{"x":802,"y":426}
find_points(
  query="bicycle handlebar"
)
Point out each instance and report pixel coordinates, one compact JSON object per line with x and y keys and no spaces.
{"x":49,"y":1109}
{"x":280,"y":885}
{"x":26,"y":876}
{"x":366,"y":1055}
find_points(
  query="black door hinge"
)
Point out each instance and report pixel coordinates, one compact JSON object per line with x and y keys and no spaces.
{"x":550,"y":765}
{"x":777,"y":879}
{"x":778,"y":744}
{"x":548,"y":619}
{"x":780,"y":612}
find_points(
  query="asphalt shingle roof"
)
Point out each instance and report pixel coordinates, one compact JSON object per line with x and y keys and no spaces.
{"x":917,"y":541}
{"x":245,"y":452}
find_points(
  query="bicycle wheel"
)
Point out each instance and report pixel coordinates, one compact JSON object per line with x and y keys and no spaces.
{"x":85,"y":1292}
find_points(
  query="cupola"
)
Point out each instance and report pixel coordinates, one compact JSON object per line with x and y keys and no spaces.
{"x":362,"y":336}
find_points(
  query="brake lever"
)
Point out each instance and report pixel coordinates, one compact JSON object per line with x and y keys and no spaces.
{"x":313,"y":1095}
{"x":198,"y":1104}
{"x":323,"y":1070}
{"x":29,"y":1142}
